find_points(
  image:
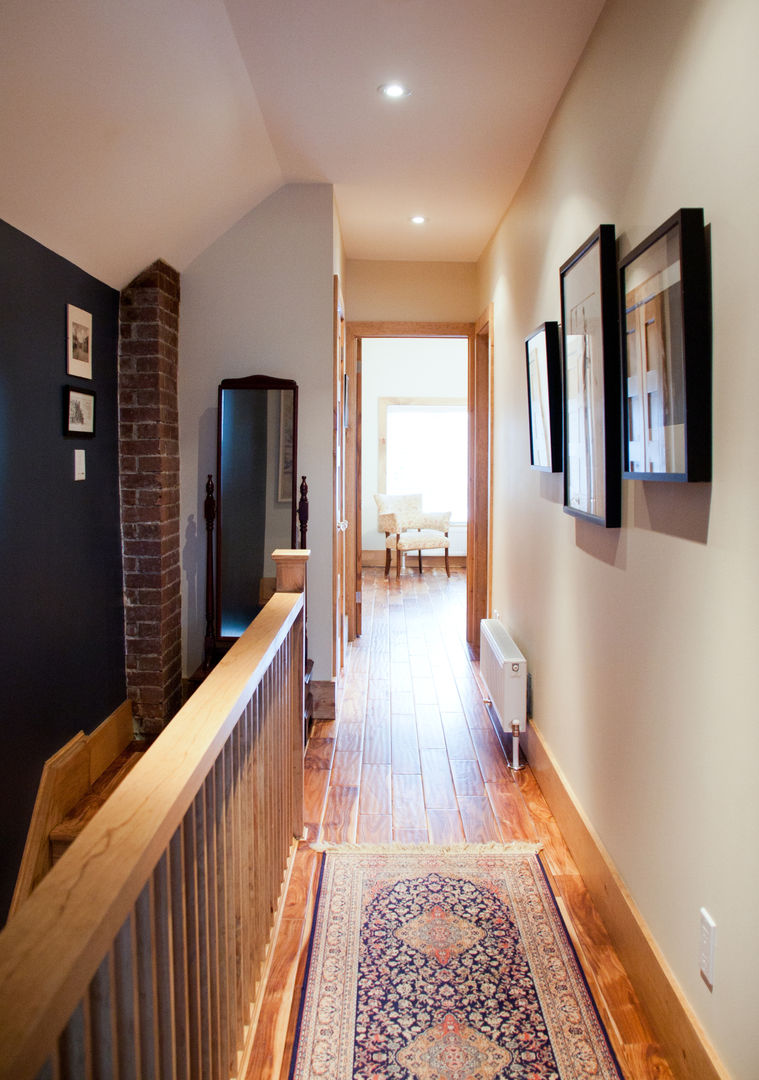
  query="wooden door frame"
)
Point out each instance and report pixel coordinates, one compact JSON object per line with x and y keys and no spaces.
{"x":356,"y":331}
{"x":479,"y":577}
{"x":339,"y":452}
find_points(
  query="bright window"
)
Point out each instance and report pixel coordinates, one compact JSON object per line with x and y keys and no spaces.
{"x":427,"y":452}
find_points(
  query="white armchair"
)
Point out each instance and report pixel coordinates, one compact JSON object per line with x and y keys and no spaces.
{"x":408,"y":528}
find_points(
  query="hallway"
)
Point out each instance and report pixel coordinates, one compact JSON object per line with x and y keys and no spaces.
{"x":413,"y":758}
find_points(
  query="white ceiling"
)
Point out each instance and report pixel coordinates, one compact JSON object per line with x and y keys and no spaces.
{"x":144,"y":129}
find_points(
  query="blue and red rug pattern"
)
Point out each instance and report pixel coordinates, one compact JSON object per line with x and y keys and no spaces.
{"x":444,"y":965}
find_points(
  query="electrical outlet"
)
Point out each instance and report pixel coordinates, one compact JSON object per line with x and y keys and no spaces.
{"x":706,"y":952}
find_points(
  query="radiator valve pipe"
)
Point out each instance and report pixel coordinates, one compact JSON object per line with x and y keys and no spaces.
{"x":515,"y":746}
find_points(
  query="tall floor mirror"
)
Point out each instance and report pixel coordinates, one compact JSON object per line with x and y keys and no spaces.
{"x":256,"y":494}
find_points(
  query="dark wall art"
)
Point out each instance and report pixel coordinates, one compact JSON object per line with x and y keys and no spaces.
{"x":666,"y":353}
{"x":543,"y":357}
{"x":590,"y":331}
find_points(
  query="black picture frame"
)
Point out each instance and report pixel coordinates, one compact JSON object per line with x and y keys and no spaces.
{"x":543,"y":359}
{"x":590,"y":364}
{"x":78,"y":412}
{"x":666,"y":353}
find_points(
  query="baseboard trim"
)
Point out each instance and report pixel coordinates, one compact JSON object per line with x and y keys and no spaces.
{"x":672,"y":1019}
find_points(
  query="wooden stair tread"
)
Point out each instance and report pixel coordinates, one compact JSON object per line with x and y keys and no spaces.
{"x":63,"y":834}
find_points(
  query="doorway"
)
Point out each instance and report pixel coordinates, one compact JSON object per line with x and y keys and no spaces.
{"x":478,"y":458}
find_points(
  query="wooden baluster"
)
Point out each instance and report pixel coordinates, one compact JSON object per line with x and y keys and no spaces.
{"x":192,"y":943}
{"x":71,"y":1048}
{"x":124,"y":992}
{"x":210,"y":841}
{"x":220,"y":883}
{"x":246,"y":794}
{"x":204,"y":1000}
{"x":163,"y":969}
{"x":146,"y":1015}
{"x":179,"y":939}
{"x":101,"y":1022}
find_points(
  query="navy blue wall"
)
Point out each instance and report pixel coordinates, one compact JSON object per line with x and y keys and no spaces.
{"x":61,"y":616}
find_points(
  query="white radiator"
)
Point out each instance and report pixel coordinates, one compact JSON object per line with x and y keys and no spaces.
{"x":504,"y":672}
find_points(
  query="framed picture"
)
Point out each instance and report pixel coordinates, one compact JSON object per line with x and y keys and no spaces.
{"x":666,"y":353}
{"x":590,"y":331}
{"x":79,"y":342}
{"x":543,"y":355}
{"x":78,"y":412}
{"x":286,"y":443}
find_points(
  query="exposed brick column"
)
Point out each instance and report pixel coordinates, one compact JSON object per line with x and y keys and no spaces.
{"x":149,"y":468}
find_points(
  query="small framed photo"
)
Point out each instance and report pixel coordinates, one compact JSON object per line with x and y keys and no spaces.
{"x":543,"y":355}
{"x":666,"y":353}
{"x":79,"y":342}
{"x":592,"y":423}
{"x":78,"y":412}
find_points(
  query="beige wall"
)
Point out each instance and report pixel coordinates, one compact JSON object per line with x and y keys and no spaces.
{"x":411,"y":291}
{"x":643,"y":641}
{"x":259,"y":302}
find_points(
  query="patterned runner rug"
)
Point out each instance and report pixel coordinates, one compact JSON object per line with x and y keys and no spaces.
{"x":444,"y":964}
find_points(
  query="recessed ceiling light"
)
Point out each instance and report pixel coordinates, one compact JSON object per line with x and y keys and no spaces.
{"x":393,"y":90}
{"x":418,"y":219}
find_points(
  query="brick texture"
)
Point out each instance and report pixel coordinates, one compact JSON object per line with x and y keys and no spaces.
{"x":149,"y":472}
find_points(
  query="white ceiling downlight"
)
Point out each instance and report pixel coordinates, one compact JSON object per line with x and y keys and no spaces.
{"x":393,"y":90}
{"x":418,"y":219}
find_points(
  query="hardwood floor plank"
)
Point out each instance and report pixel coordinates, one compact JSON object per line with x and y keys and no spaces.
{"x":377,"y":739}
{"x":404,"y":748}
{"x":429,"y":727}
{"x":408,"y":802}
{"x":490,"y":755}
{"x":480,"y":825}
{"x":458,"y":741}
{"x":437,"y":781}
{"x":346,"y":768}
{"x":349,"y":736}
{"x":375,"y":797}
{"x":510,"y":810}
{"x":402,"y":835}
{"x":445,"y":827}
{"x":467,"y":778}
{"x":375,"y":828}
{"x":319,"y":753}
{"x":340,"y":814}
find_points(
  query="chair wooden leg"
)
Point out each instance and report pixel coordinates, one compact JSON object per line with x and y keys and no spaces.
{"x":447,"y":567}
{"x":420,"y":562}
{"x":398,"y":556}
{"x":388,"y":556}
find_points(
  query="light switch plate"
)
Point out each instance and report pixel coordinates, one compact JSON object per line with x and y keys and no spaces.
{"x":80,"y":471}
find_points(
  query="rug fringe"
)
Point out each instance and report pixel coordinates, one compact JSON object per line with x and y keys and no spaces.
{"x":513,"y":847}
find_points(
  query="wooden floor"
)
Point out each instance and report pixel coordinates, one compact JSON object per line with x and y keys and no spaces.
{"x":413,"y":757}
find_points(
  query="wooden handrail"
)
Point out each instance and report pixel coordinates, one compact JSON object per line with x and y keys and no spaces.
{"x":147,"y":939}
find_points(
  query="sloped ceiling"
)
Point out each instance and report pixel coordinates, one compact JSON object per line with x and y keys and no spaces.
{"x":133,"y":131}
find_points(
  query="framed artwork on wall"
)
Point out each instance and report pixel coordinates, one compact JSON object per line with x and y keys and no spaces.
{"x":666,"y":353}
{"x":79,"y":342}
{"x":543,"y":357}
{"x":590,"y":332}
{"x":78,"y":412}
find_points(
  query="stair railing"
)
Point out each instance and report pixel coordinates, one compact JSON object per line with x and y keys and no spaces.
{"x":142,"y":953}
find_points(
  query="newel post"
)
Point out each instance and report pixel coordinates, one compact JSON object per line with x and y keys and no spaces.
{"x":291,"y":569}
{"x":291,"y":578}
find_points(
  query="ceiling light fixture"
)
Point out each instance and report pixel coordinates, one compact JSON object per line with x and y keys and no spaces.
{"x":418,"y":219}
{"x":393,"y":90}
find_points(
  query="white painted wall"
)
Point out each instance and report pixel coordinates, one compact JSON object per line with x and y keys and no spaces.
{"x":404,"y":367}
{"x":259,"y":302}
{"x":643,"y":641}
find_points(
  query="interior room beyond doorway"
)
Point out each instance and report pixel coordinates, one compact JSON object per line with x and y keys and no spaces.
{"x":414,"y":432}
